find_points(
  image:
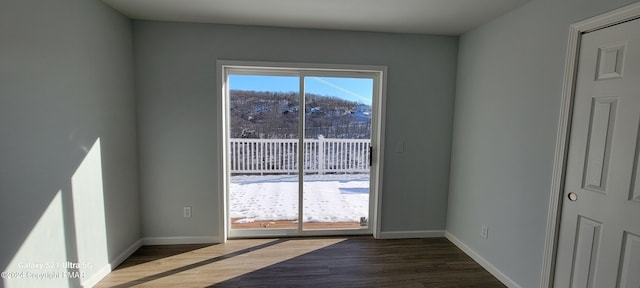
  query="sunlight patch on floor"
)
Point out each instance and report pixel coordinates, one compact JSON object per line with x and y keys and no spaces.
{"x":220,"y":262}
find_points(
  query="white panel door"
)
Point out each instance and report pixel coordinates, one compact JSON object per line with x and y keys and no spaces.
{"x":599,"y":243}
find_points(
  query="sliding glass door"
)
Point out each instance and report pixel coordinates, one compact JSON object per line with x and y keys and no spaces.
{"x":299,"y":146}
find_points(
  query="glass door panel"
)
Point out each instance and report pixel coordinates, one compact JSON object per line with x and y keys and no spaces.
{"x":337,"y":137}
{"x":263,"y":147}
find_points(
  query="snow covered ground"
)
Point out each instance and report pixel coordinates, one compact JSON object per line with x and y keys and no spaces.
{"x":327,"y":198}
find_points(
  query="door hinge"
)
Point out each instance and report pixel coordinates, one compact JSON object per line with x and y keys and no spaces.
{"x":370,"y":155}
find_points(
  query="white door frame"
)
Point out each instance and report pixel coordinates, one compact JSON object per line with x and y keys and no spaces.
{"x":377,"y":133}
{"x":576,"y":31}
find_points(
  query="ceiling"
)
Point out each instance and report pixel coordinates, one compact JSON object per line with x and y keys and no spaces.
{"x":441,"y":17}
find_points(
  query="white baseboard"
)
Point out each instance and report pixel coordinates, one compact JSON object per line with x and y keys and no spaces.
{"x":411,"y":234}
{"x":483,"y":262}
{"x":126,"y":254}
{"x":180,"y":240}
{"x":106,"y":269}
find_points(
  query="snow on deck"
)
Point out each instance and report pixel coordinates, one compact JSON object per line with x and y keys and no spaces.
{"x":327,"y":198}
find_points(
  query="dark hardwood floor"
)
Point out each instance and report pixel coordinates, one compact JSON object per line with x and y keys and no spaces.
{"x":303,"y":262}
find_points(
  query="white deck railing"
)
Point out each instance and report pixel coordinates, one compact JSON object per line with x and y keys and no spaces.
{"x":260,"y":156}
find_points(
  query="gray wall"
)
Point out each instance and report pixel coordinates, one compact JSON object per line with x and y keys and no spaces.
{"x":509,"y":87}
{"x":176,"y":89}
{"x":66,"y":81}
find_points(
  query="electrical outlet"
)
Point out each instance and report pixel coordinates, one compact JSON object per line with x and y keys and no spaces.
{"x":187,"y":211}
{"x":484,"y":232}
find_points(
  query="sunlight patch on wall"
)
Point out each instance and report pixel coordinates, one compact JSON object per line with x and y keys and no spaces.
{"x":89,"y":215}
{"x":47,"y":258}
{"x":42,"y":253}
